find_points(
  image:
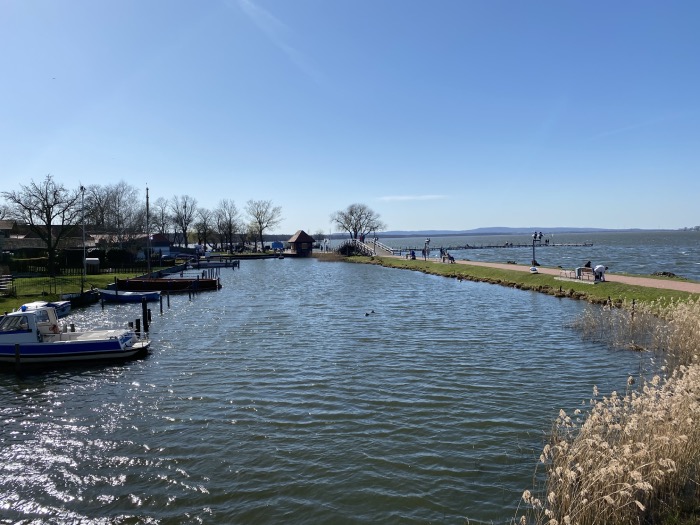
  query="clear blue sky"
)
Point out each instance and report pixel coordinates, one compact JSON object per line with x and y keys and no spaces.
{"x":437,"y":114}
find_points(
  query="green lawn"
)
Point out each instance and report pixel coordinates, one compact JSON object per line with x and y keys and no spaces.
{"x":45,"y":289}
{"x":617,"y":293}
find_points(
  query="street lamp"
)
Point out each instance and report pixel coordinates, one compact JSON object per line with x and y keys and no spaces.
{"x":426,"y":249}
{"x":534,"y":261}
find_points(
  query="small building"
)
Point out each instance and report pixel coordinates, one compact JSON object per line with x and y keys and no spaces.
{"x":160,"y":245}
{"x":301,"y":244}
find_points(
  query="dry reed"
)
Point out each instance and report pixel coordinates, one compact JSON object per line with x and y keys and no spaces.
{"x":633,"y":458}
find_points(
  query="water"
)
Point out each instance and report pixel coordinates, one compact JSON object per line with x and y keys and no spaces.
{"x":305,"y":392}
{"x":640,"y":252}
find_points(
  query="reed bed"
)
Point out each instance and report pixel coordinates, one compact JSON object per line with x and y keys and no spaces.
{"x":632,"y":458}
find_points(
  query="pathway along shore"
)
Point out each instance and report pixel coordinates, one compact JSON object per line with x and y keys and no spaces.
{"x":664,"y":284}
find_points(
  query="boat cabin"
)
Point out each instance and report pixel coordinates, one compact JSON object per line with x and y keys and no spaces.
{"x":29,"y":325}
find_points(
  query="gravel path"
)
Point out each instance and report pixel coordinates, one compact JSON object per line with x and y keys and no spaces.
{"x":664,"y":284}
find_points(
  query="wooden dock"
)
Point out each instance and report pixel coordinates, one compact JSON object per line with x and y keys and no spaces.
{"x":495,"y":246}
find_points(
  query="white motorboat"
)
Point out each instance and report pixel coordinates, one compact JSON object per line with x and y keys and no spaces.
{"x":34,"y":337}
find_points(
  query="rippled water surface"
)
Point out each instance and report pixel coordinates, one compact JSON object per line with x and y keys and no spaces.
{"x":635,"y":252}
{"x":305,"y":392}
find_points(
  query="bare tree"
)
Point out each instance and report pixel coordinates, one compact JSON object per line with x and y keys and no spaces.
{"x":227,"y":221}
{"x":49,"y":210}
{"x":263,"y":216}
{"x":97,"y":204}
{"x":183,"y":211}
{"x":160,"y":214}
{"x":117,"y":210}
{"x":127,"y":214}
{"x":204,"y":225}
{"x":358,"y":220}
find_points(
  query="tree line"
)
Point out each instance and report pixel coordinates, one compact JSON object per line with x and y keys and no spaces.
{"x":119,"y":213}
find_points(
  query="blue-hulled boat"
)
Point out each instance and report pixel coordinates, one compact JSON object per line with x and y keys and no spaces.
{"x":34,"y":337}
{"x":115,"y":296}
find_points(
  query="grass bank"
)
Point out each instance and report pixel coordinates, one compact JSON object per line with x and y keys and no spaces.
{"x":608,"y":293}
{"x":45,"y":289}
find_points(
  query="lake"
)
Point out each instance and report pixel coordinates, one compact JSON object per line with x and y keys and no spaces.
{"x":635,"y":252}
{"x":305,"y":392}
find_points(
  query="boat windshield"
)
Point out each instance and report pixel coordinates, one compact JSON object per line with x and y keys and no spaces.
{"x":12,"y":323}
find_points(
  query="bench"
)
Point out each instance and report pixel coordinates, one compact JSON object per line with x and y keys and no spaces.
{"x":564,"y":273}
{"x":582,"y":273}
{"x":586,"y":273}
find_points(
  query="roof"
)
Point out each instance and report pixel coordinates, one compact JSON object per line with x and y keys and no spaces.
{"x":301,"y":236}
{"x":159,"y":240}
{"x":8,"y":225}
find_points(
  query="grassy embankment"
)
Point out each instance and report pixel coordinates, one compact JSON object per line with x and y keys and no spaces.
{"x":43,"y":289}
{"x":627,"y":458}
{"x":609,"y":292}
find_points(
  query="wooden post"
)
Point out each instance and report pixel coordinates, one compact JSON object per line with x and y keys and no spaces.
{"x":138,"y":326}
{"x":160,"y":299}
{"x":144,"y":314}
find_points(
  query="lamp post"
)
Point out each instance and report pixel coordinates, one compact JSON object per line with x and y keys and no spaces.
{"x":426,"y":249}
{"x":82,"y":219}
{"x":534,"y":261}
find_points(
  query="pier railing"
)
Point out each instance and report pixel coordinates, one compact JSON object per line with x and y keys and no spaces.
{"x":355,"y":245}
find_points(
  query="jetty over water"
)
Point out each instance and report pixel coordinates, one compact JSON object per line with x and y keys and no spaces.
{"x":505,"y":245}
{"x":373,"y":247}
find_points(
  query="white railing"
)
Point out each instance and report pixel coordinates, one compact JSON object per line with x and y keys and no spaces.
{"x":361,"y":247}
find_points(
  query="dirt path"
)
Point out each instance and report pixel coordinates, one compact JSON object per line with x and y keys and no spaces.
{"x":664,"y":284}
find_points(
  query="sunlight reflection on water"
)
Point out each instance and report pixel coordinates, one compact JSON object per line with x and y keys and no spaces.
{"x":278,"y":399}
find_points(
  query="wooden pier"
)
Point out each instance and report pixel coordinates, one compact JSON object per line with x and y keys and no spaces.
{"x":505,"y":245}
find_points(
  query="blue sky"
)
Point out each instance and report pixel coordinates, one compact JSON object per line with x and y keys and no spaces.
{"x":437,"y":114}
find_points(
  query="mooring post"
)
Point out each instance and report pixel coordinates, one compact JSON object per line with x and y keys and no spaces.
{"x":144,"y":314}
{"x":138,"y":326}
{"x":168,"y":299}
{"x":160,"y":299}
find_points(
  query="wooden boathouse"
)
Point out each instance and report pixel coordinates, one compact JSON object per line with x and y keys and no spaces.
{"x":301,"y":244}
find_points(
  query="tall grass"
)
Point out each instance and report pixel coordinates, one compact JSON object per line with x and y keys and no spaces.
{"x":635,"y":457}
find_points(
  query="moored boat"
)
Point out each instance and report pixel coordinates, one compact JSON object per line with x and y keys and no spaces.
{"x":116,"y":296}
{"x":84,"y":298}
{"x":62,"y":307}
{"x":182,"y":284}
{"x":34,"y":337}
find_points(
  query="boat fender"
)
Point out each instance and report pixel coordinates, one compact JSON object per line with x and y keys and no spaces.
{"x":55,"y":329}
